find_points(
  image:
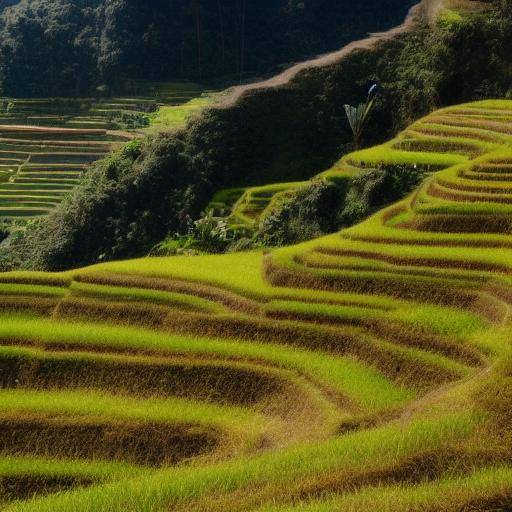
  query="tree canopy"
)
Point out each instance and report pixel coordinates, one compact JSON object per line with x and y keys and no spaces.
{"x":70,"y":47}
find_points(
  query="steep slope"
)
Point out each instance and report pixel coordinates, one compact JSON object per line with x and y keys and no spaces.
{"x":47,"y":145}
{"x":272,"y":135}
{"x":424,"y":9}
{"x":367,"y":370}
{"x":7,"y":3}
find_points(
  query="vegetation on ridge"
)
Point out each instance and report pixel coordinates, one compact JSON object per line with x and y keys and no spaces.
{"x":272,"y":135}
{"x":109,"y":44}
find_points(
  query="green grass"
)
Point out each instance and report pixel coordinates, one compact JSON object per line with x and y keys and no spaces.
{"x":77,"y":404}
{"x":175,"y":116}
{"x":448,"y":493}
{"x":32,"y":290}
{"x":250,"y":207}
{"x":364,"y":386}
{"x":98,"y":470}
{"x":356,"y":451}
{"x":225,"y":199}
{"x":388,"y":344}
{"x":448,"y":17}
{"x":387,"y":155}
{"x":179,"y":300}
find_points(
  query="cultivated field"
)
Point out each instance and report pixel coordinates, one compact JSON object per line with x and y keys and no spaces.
{"x":365,"y":371}
{"x":47,"y":144}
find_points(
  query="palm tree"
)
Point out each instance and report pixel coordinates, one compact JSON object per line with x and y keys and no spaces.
{"x":358,"y":116}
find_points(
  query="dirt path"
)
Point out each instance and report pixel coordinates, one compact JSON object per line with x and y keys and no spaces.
{"x":425,"y":7}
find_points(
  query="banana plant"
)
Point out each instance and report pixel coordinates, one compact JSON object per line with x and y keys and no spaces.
{"x":358,"y":116}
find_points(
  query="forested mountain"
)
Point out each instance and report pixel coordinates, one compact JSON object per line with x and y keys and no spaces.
{"x":67,"y":47}
{"x":131,"y":201}
{"x":7,"y":3}
{"x":290,"y":296}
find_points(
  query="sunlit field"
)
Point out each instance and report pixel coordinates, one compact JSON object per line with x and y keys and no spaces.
{"x":366,"y":370}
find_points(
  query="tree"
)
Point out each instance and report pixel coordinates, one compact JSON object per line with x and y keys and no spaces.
{"x":70,"y":47}
{"x":358,"y":116}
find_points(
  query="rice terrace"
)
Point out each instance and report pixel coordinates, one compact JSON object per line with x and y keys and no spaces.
{"x":244,"y":300}
{"x":46,"y":144}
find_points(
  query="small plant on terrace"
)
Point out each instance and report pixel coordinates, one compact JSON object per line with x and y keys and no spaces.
{"x":209,"y":234}
{"x":358,"y":116}
{"x":212,"y":233}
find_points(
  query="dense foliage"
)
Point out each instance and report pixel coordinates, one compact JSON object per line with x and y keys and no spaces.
{"x":56,"y":47}
{"x":325,"y":206}
{"x":309,"y":213}
{"x":134,"y":198}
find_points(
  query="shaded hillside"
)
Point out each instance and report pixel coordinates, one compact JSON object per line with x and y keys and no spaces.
{"x":66,"y":47}
{"x":47,"y":144}
{"x":7,"y":3}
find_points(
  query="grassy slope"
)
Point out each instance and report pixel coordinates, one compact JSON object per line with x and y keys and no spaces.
{"x":362,"y":354}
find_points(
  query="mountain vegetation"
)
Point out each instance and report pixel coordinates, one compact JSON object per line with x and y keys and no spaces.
{"x":365,"y":370}
{"x":47,"y":144}
{"x":71,"y":47}
{"x":236,"y":302}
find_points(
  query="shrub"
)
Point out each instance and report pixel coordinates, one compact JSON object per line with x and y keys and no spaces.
{"x":243,"y":244}
{"x":323,"y":207}
{"x":211,"y":233}
{"x":207,"y":234}
{"x":378,"y":187}
{"x":133,"y":149}
{"x":123,"y":206}
{"x":309,"y":212}
{"x":130,"y":203}
{"x":129,"y":120}
{"x":4,"y":231}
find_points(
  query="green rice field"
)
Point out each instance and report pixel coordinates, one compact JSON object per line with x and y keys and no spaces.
{"x":48,"y":144}
{"x":366,"y":370}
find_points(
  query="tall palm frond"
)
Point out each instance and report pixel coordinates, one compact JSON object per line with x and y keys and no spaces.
{"x":358,"y":116}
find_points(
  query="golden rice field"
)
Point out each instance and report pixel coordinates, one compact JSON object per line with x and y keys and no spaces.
{"x":369,"y":370}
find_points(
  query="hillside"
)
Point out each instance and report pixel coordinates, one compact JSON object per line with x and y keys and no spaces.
{"x":368,"y":370}
{"x":7,"y":3}
{"x":48,"y":144}
{"x":228,"y":301}
{"x":287,"y":133}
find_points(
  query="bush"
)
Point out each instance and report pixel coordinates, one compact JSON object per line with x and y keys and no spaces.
{"x":323,"y":207}
{"x":209,"y":234}
{"x":309,"y":212}
{"x":4,"y":232}
{"x":124,"y":205}
{"x":243,"y":244}
{"x":129,"y":120}
{"x":378,"y":187}
{"x":134,"y":199}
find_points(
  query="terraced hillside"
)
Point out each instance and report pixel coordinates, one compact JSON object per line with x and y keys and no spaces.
{"x":367,"y":370}
{"x":47,"y":144}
